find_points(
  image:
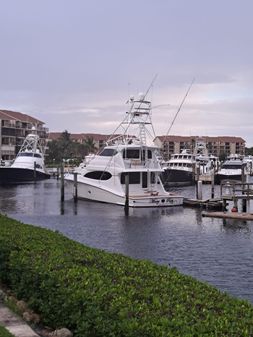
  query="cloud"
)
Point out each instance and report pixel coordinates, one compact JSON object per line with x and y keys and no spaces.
{"x":75,"y":66}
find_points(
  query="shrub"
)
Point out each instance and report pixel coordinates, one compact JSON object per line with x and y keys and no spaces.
{"x":4,"y":332}
{"x":95,"y":293}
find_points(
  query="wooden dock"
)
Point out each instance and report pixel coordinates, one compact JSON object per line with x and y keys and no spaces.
{"x":213,"y":203}
{"x":229,"y":215}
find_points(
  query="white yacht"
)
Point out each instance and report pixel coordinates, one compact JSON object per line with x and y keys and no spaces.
{"x":182,"y":168}
{"x":28,"y":164}
{"x":127,"y":168}
{"x":207,"y":163}
{"x":231,"y":169}
{"x":179,"y":169}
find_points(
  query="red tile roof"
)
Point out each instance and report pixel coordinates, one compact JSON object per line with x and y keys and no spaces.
{"x":13,"y":115}
{"x":223,"y":139}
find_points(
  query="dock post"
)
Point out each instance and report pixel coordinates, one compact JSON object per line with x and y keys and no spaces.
{"x":62,"y":182}
{"x":224,"y":205}
{"x":199,"y":190}
{"x":244,"y":178}
{"x":193,"y":173}
{"x":196,"y":181}
{"x":248,"y":196}
{"x":58,"y":173}
{"x":127,"y":194}
{"x":212,"y":185}
{"x":34,"y":170}
{"x":244,"y":205}
{"x":75,"y":186}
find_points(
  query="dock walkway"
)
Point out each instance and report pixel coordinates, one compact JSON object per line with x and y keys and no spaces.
{"x":212,"y":203}
{"x":13,"y":323}
{"x":229,"y":215}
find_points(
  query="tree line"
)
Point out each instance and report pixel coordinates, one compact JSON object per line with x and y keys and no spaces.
{"x":65,"y":149}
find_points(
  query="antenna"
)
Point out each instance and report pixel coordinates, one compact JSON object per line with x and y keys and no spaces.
{"x":180,"y":106}
{"x":151,"y":84}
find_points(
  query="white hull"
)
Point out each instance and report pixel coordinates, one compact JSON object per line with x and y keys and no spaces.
{"x":127,"y":170}
{"x":147,"y":199}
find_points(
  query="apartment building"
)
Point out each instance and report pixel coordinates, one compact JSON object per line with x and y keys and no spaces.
{"x":15,"y":126}
{"x":217,"y":146}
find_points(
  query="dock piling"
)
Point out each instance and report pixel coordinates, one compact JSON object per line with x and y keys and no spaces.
{"x":62,"y":182}
{"x":127,"y":194}
{"x":212,"y":186}
{"x":75,"y":187}
{"x":199,"y":190}
{"x":34,"y":170}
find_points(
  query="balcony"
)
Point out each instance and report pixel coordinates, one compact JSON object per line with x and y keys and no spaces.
{"x":8,"y":124}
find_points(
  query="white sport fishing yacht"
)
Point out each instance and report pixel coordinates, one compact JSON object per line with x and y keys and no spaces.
{"x":128,"y":166}
{"x":28,"y":164}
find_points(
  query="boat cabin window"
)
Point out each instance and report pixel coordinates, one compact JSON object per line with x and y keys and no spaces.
{"x":232,"y":166}
{"x":131,"y":153}
{"x":108,"y":153}
{"x":134,"y":178}
{"x":143,"y":154}
{"x":98,"y":175}
{"x":29,"y":154}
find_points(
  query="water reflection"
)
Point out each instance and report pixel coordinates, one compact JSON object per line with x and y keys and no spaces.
{"x":237,"y":225}
{"x":209,"y":249}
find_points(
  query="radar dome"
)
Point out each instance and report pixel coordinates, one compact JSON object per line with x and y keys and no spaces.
{"x":141,"y":96}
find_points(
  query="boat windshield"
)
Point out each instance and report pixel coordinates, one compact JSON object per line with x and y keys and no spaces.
{"x":108,"y":152}
{"x":232,"y":166}
{"x":29,"y":154}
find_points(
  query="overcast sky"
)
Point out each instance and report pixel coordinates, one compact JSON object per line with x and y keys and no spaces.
{"x":74,"y":63}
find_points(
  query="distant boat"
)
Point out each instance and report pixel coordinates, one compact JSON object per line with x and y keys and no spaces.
{"x":179,"y":169}
{"x":206,"y":162}
{"x":127,"y":167}
{"x":231,"y":169}
{"x":28,"y":164}
{"x":182,"y":168}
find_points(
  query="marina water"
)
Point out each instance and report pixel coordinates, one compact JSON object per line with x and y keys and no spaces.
{"x":208,"y":249}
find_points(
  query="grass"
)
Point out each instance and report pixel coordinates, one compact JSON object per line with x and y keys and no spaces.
{"x":4,"y":332}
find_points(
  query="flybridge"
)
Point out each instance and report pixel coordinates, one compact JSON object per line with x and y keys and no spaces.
{"x":138,"y":114}
{"x":137,"y":125}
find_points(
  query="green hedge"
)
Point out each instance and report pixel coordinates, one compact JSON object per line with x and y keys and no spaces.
{"x":94,"y":293}
{"x":4,"y":332}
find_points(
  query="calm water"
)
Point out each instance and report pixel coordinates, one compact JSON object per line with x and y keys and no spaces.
{"x":208,"y":249}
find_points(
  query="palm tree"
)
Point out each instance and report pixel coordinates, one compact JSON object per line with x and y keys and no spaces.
{"x":90,"y":144}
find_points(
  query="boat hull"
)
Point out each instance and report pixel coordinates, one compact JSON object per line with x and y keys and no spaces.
{"x":177,"y":178}
{"x":10,"y":175}
{"x":98,"y":194}
{"x":219,"y":177}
